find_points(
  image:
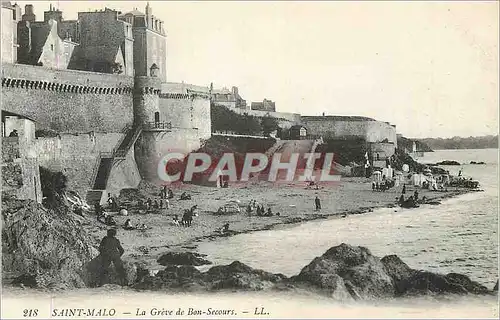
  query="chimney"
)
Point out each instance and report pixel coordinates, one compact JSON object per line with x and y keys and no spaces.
{"x":17,"y":12}
{"x":28,"y":13}
{"x":53,"y":13}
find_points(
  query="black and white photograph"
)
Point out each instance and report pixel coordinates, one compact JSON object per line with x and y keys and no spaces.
{"x":249,"y":159}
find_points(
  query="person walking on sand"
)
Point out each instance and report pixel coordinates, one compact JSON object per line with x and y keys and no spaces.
{"x":373,"y":185}
{"x":404,"y":189}
{"x":318,"y":203}
{"x":111,"y":251}
{"x":415,"y":196}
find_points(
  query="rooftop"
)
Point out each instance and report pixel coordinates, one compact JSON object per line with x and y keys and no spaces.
{"x":134,"y":12}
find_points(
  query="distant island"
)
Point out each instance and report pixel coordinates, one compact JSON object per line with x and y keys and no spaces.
{"x":482,"y":142}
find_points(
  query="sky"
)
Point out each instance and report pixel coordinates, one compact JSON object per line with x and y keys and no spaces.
{"x":430,"y":68}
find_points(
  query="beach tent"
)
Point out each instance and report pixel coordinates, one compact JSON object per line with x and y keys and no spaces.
{"x":417,"y":179}
{"x":377,"y":176}
{"x":387,"y":172}
{"x":399,"y":178}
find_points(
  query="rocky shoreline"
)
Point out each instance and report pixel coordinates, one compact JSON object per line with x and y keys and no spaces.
{"x":179,"y":274}
{"x":343,"y":273}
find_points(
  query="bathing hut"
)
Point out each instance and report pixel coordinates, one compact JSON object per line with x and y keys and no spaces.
{"x":377,"y":176}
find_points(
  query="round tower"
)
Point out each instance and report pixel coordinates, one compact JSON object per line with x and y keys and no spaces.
{"x":153,"y":124}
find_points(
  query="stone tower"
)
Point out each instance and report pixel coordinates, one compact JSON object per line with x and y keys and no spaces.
{"x":147,"y":117}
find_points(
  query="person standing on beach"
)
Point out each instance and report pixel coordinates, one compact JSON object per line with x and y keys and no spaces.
{"x":111,"y":250}
{"x":318,"y":203}
{"x":404,"y":189}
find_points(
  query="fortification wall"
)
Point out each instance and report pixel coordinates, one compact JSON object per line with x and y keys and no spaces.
{"x":21,"y":179}
{"x":284,"y":117}
{"x":76,"y":156}
{"x":372,"y":131}
{"x":20,"y":171}
{"x":67,"y":100}
{"x":187,"y":112}
{"x":384,"y":150}
{"x":335,"y":128}
{"x":152,"y":146}
{"x":378,"y":131}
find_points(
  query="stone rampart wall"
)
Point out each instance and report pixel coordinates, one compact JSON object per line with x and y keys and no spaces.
{"x":68,"y":100}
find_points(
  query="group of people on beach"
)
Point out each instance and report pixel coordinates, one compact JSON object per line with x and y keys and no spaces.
{"x":412,"y":201}
{"x":259,"y":210}
{"x":156,"y":204}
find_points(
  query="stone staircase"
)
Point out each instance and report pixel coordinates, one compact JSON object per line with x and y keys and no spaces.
{"x":106,"y":162}
{"x":128,"y":141}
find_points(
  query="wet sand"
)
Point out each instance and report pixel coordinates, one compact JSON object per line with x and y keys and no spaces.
{"x":295,"y":203}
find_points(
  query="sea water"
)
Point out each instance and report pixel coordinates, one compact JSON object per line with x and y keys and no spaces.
{"x":460,"y":235}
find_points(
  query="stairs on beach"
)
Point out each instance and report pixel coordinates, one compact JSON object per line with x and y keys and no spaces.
{"x":106,"y":161}
{"x":128,"y":142}
{"x":103,"y":173}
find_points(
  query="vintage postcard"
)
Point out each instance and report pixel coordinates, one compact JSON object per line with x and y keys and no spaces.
{"x":260,"y":160}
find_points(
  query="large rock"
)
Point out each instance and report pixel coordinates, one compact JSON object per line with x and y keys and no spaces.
{"x":174,"y":277}
{"x":44,"y":248}
{"x":423,"y":282}
{"x":238,"y":275}
{"x":398,"y":271}
{"x":183,"y":259}
{"x":363,"y":275}
{"x":93,"y":270}
{"x":344,"y":273}
{"x":410,"y":281}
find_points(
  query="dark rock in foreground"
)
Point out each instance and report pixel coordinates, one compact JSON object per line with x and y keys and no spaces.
{"x":183,"y":259}
{"x":43,"y":248}
{"x":235,"y":276}
{"x":352,"y":268}
{"x":240,"y":276}
{"x":92,"y":271}
{"x":343,"y":272}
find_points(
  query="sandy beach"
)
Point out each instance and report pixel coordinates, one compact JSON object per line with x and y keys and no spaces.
{"x":295,"y":203}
